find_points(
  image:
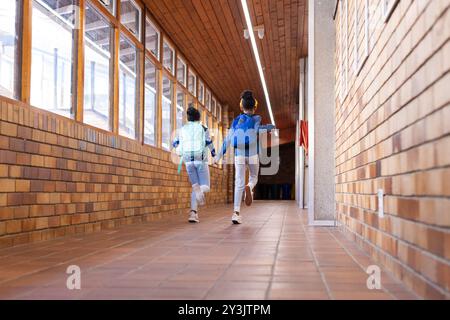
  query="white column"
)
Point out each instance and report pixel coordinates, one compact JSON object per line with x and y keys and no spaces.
{"x":321,"y":113}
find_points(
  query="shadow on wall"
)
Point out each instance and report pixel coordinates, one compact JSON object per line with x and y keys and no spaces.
{"x":280,"y":186}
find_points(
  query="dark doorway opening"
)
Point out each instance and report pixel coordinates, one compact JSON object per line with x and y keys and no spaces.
{"x":280,"y":186}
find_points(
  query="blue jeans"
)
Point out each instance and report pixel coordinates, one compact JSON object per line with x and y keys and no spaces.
{"x":198,"y":172}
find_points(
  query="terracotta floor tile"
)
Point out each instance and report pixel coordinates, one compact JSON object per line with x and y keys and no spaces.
{"x":274,"y":255}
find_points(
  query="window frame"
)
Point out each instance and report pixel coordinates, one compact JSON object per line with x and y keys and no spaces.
{"x":201,"y":90}
{"x":149,"y":20}
{"x":172,"y":48}
{"x":59,"y":19}
{"x":182,"y":90}
{"x":214,"y":106}
{"x":148,"y":57}
{"x":137,"y":88}
{"x":344,"y":88}
{"x":219,"y":113}
{"x":183,"y":62}
{"x":208,"y":101}
{"x":111,"y":64}
{"x":138,"y":6}
{"x":359,"y":63}
{"x":191,"y":71}
{"x":388,"y":7}
{"x":113,"y":10}
{"x":172,"y":111}
{"x":16,"y":74}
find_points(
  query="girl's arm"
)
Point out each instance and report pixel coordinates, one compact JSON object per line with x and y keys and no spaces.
{"x":209,"y":142}
{"x":259,"y":126}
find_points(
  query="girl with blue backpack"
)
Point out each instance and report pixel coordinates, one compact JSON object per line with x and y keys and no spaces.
{"x":192,"y":142}
{"x":243,"y":136}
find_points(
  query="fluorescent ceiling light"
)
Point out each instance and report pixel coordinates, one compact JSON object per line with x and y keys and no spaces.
{"x":258,"y":60}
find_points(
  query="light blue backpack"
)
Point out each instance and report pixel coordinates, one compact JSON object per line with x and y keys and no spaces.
{"x":192,"y":142}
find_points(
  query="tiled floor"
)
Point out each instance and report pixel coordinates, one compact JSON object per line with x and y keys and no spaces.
{"x":273,"y":255}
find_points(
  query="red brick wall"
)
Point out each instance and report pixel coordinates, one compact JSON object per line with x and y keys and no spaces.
{"x":59,"y":177}
{"x":392,"y":132}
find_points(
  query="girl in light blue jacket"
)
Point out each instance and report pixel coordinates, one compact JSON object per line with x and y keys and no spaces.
{"x":192,"y":142}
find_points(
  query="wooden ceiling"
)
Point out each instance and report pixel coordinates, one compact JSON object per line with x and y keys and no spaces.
{"x":210,"y":34}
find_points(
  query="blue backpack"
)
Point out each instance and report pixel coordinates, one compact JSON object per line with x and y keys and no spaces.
{"x":244,"y":125}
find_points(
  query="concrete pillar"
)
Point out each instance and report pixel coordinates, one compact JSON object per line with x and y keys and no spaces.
{"x":321,"y":112}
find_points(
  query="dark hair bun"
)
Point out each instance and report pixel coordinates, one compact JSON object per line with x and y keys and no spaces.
{"x":192,"y":113}
{"x":248,"y":101}
{"x":247,"y":94}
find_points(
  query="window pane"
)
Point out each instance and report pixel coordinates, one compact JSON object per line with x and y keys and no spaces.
{"x":8,"y":43}
{"x":213,"y":107}
{"x":167,"y":112}
{"x":206,"y":124}
{"x":169,"y":58}
{"x":181,"y":71}
{"x":208,"y":100}
{"x":130,"y":16}
{"x":181,"y":100}
{"x":219,"y":112}
{"x":201,"y":92}
{"x":97,"y":64}
{"x":152,"y":39}
{"x":127,"y":88}
{"x":110,"y":5}
{"x":190,"y":100}
{"x":151,"y":94}
{"x":51,"y":57}
{"x":192,"y":83}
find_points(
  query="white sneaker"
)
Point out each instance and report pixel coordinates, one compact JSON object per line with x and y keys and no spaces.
{"x":193,"y":217}
{"x":236,"y":218}
{"x":199,"y":195}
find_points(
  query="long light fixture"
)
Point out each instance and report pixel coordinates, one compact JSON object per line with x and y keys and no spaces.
{"x":258,"y":59}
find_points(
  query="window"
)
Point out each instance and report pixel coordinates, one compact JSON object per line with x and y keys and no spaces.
{"x":388,"y":7}
{"x":127,"y":88}
{"x":166,"y":112}
{"x":361,"y":38}
{"x":181,"y":71}
{"x":214,"y":107}
{"x":192,"y":83}
{"x":8,"y":47}
{"x":181,"y":100}
{"x":219,"y":112}
{"x":201,"y":92}
{"x":151,"y":94}
{"x":208,"y":100}
{"x":51,"y":56}
{"x":169,"y":57}
{"x":344,"y":49}
{"x":191,"y":100}
{"x":152,"y":38}
{"x":130,"y":17}
{"x":207,"y":119}
{"x":97,"y":68}
{"x":110,"y":5}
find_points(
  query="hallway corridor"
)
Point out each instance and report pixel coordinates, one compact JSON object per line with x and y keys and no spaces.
{"x":273,"y":255}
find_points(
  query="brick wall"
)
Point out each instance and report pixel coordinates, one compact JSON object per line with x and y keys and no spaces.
{"x":59,"y":177}
{"x":392,"y":132}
